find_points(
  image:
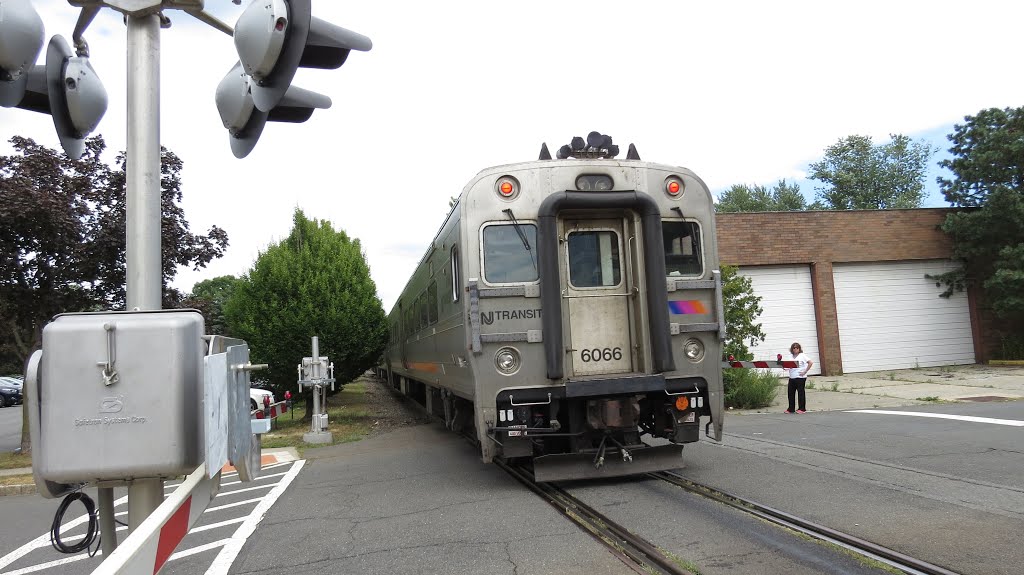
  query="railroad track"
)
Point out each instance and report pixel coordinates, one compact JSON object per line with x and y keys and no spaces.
{"x":877,"y":552}
{"x":636,"y":552}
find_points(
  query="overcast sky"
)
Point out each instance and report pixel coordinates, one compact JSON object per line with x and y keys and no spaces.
{"x":739,"y":92}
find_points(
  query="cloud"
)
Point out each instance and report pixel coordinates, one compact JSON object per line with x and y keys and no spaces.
{"x":740,"y":92}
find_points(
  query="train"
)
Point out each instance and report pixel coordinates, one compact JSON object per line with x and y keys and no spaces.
{"x":568,"y":314}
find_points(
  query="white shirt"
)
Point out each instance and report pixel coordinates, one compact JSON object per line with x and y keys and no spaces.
{"x":802,"y":361}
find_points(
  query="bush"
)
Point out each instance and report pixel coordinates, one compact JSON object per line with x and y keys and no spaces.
{"x":749,"y":389}
{"x":1011,"y":347}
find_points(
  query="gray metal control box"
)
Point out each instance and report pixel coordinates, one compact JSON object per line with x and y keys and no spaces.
{"x":120,"y":396}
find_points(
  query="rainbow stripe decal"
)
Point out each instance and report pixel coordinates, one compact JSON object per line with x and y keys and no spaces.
{"x":687,"y":307}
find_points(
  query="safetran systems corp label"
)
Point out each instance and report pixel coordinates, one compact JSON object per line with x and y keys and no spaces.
{"x":88,"y":421}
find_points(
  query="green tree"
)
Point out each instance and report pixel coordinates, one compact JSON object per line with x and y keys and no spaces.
{"x":313,"y":283}
{"x":209,"y":297}
{"x":742,"y":308}
{"x":782,"y":197}
{"x":859,"y":175}
{"x":62,"y":239}
{"x":988,"y":238}
{"x":743,"y":388}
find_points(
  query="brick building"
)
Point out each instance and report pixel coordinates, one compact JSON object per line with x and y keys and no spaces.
{"x":851,"y":287}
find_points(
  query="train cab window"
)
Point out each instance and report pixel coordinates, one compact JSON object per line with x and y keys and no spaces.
{"x":683,"y":255}
{"x":455,"y":275}
{"x":432,"y":303}
{"x":506,"y":257}
{"x":594,"y":259}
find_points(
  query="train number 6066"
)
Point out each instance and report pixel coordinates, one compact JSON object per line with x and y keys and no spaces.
{"x":606,"y":354}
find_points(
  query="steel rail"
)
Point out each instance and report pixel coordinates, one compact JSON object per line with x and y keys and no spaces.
{"x":862,"y":546}
{"x":636,"y":552}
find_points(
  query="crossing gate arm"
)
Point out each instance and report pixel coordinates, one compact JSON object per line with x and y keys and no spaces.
{"x":761,"y":364}
{"x":148,"y":547}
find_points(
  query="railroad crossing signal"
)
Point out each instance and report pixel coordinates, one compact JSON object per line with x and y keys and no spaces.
{"x":66,"y":87}
{"x":273,"y":39}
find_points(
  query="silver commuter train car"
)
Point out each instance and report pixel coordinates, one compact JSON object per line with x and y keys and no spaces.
{"x":566,"y":308}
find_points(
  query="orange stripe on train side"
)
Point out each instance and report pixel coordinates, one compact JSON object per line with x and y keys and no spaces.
{"x":427,"y":366}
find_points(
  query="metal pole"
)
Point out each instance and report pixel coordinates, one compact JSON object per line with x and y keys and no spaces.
{"x":143,"y":272}
{"x":144,"y":276}
{"x":108,"y":528}
{"x":316,"y":358}
{"x":315,"y":425}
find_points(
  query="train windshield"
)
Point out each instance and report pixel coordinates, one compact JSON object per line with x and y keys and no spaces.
{"x":594,"y":259}
{"x":682,"y":248}
{"x":506,"y":259}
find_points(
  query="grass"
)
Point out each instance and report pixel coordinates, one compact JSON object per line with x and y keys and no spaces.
{"x":931,"y":398}
{"x":14,"y":461}
{"x":16,"y":480}
{"x":350,"y":418}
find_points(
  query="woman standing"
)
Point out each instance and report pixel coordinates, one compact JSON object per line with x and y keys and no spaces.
{"x":798,"y":378}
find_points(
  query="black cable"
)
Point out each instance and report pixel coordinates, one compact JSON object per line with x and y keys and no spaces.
{"x":91,"y":533}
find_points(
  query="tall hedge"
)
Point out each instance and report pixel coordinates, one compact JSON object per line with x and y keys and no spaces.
{"x":314,"y":282}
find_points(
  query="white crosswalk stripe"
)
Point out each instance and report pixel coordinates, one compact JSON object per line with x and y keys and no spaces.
{"x":276,"y":483}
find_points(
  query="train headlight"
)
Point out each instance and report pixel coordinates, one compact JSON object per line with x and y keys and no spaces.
{"x":674,"y":187}
{"x":693,"y":349}
{"x":594,"y":183}
{"x":507,"y":360}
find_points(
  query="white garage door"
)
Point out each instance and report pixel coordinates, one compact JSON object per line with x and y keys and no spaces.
{"x":891,"y":317}
{"x":788,"y":314}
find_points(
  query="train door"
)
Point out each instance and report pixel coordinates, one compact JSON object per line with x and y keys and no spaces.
{"x":597,"y":293}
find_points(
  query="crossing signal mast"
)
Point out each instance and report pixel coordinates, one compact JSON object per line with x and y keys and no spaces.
{"x":273,"y":39}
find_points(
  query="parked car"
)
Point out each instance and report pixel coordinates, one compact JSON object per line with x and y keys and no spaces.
{"x":256,"y":397}
{"x":15,"y":380}
{"x":10,"y":394}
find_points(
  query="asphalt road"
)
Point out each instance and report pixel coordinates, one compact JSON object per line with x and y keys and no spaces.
{"x":10,"y":428}
{"x":418,"y":500}
{"x":947,"y":491}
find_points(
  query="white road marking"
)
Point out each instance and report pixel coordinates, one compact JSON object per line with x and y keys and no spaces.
{"x":198,"y":549}
{"x":223,"y":493}
{"x":223,"y":561}
{"x":994,"y":421}
{"x":45,"y":538}
{"x":49,"y":564}
{"x":230,"y":551}
{"x":216,"y":525}
{"x":260,"y":478}
{"x":235,"y":504}
{"x":82,"y":556}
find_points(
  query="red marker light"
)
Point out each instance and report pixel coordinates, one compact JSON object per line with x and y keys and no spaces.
{"x":673,"y":188}
{"x":287,"y":395}
{"x":280,"y":24}
{"x":266,"y":401}
{"x":506,"y":189}
{"x":780,"y":357}
{"x":731,"y":358}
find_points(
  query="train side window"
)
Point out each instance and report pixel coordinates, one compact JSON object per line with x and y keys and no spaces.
{"x":683,"y":252}
{"x":455,"y":275}
{"x":421,"y":310}
{"x":432,"y":303}
{"x":594,"y":259}
{"x":506,"y":258}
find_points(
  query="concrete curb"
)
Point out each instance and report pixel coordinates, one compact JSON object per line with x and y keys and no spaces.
{"x":26,"y":489}
{"x":1005,"y":362}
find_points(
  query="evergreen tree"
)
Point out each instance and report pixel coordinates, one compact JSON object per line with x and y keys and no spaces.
{"x":313,"y":283}
{"x":988,"y":238}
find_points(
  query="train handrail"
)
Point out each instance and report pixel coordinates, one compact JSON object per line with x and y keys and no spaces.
{"x":512,"y":401}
